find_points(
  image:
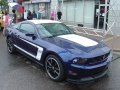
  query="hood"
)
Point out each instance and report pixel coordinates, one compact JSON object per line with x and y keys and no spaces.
{"x":83,"y":41}
{"x":75,"y":43}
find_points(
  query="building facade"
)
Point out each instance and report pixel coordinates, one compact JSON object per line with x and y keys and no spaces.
{"x":98,"y":14}
{"x":42,"y":6}
{"x":87,"y":13}
{"x":79,"y":12}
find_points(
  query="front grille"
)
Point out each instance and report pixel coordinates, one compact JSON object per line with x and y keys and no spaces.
{"x":98,"y":59}
{"x":93,"y":72}
{"x":97,"y":70}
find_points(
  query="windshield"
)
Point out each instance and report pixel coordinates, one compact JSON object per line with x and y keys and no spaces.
{"x":53,"y":29}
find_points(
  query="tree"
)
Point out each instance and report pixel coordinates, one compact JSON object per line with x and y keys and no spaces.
{"x":3,"y":4}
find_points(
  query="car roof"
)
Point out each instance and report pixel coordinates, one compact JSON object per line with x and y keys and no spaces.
{"x":43,"y":21}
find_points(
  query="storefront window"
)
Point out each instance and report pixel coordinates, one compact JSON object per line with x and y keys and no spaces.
{"x":44,"y":9}
{"x":30,"y":7}
{"x":97,"y":2}
{"x":101,"y":16}
{"x":36,"y":7}
{"x":103,"y":1}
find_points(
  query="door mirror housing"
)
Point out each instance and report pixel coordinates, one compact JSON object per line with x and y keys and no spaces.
{"x":31,"y":35}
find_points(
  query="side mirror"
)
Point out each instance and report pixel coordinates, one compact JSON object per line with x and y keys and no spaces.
{"x":31,"y":35}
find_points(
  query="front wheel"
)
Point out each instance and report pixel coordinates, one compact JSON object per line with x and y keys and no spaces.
{"x":10,"y":46}
{"x":54,"y":68}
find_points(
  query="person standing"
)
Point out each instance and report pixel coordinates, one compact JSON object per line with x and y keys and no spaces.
{"x":29,"y":15}
{"x":5,"y":19}
{"x":25,"y":15}
{"x":14,"y":17}
{"x":39,"y":14}
{"x":59,"y":14}
{"x":52,"y":15}
{"x":34,"y":15}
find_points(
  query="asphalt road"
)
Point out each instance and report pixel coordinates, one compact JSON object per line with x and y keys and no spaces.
{"x":19,"y":73}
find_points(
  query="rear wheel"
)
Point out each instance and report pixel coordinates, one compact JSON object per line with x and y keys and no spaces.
{"x":54,"y":68}
{"x":10,"y":46}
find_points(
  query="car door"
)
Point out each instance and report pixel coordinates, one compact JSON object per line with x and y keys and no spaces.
{"x":25,"y":42}
{"x":15,"y":33}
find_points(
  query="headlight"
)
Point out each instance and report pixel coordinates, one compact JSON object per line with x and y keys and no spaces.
{"x":79,"y":60}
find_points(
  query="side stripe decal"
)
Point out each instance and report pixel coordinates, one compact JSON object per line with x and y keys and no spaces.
{"x":29,"y":42}
{"x":39,"y":52}
{"x":25,"y":51}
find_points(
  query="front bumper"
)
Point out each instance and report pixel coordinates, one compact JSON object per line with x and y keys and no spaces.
{"x":89,"y":78}
{"x":86,"y":74}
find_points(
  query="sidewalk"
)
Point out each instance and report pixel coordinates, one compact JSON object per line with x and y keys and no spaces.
{"x":111,"y":41}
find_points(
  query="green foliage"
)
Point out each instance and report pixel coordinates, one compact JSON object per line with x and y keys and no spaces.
{"x":4,"y":3}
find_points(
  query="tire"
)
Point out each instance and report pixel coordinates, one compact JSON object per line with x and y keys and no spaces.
{"x":54,"y":68}
{"x":10,"y":46}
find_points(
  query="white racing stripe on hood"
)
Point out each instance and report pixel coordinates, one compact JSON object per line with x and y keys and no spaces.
{"x":86,"y":42}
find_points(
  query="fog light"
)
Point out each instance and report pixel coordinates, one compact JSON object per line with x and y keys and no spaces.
{"x":72,"y":73}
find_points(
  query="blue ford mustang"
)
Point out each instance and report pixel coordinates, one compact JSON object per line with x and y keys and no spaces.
{"x":63,"y":53}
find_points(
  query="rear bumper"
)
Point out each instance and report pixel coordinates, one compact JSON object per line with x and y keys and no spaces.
{"x":89,"y":79}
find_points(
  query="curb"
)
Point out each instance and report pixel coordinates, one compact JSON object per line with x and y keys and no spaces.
{"x":116,"y":50}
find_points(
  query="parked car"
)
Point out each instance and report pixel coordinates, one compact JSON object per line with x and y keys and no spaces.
{"x":64,"y":54}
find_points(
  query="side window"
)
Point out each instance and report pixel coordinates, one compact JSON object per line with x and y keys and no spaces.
{"x":27,"y":28}
{"x":16,"y":26}
{"x":42,"y":31}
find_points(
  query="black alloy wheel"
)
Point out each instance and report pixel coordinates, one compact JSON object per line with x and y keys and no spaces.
{"x":54,"y":68}
{"x":10,"y":46}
